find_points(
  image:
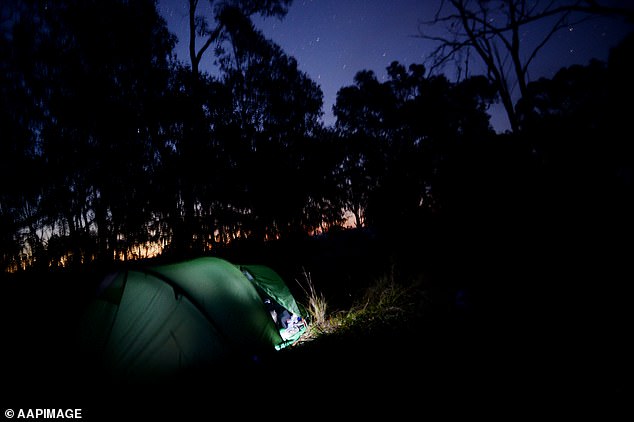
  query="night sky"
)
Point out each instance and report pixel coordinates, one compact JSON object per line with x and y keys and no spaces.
{"x":334,"y":39}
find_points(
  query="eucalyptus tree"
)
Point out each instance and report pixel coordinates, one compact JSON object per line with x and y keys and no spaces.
{"x":90,"y":72}
{"x":495,"y":33}
{"x":397,"y":134}
{"x":277,"y":113}
{"x":208,"y":33}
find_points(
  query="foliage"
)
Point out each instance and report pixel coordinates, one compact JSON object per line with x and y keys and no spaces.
{"x":396,"y":135}
{"x":316,"y":305}
{"x":113,"y":150}
{"x":386,"y":303}
{"x":495,"y":33}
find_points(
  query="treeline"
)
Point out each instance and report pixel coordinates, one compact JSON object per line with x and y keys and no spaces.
{"x":111,"y":149}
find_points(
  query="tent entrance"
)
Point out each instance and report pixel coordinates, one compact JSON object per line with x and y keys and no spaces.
{"x":289,"y":322}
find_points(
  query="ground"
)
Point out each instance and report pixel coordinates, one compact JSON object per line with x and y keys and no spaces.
{"x":477,"y":348}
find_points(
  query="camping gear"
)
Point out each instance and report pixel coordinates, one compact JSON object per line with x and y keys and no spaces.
{"x":162,"y":320}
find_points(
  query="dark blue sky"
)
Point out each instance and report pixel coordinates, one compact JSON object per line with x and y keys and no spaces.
{"x":334,"y":39}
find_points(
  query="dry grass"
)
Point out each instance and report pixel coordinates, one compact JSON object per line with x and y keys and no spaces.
{"x":384,"y":303}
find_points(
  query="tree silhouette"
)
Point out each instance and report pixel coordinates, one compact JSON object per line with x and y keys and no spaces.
{"x":576,"y":122}
{"x":20,"y":114}
{"x":397,"y":133}
{"x":493,"y":30}
{"x":224,"y":12}
{"x":277,"y":112}
{"x":210,"y":31}
{"x":90,"y":70}
{"x":132,"y":154}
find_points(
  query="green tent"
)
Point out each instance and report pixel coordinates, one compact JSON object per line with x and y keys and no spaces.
{"x":166,"y":319}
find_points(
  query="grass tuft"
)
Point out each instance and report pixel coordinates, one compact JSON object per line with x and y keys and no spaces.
{"x":383,"y":304}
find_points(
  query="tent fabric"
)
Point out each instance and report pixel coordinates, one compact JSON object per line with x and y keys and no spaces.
{"x":163,"y":319}
{"x":273,"y":285}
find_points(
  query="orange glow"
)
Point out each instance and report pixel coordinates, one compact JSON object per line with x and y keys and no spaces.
{"x":140,"y":251}
{"x":349,"y":220}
